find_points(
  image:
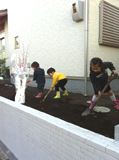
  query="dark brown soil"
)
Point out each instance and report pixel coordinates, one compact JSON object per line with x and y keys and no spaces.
{"x":70,"y":109}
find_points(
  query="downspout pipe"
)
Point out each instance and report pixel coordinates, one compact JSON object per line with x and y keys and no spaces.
{"x":85,"y":47}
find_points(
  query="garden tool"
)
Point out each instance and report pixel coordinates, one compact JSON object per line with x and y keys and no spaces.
{"x":45,"y":96}
{"x":90,"y":111}
{"x":29,"y":81}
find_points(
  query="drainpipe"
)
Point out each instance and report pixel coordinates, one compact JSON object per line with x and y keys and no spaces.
{"x":85,"y":47}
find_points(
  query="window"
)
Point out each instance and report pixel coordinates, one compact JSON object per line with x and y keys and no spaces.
{"x":2,"y":48}
{"x":16,"y":42}
{"x":108,"y":24}
{"x":74,"y":7}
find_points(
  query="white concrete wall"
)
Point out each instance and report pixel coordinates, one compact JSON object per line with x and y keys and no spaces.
{"x":106,"y":53}
{"x":34,"y":135}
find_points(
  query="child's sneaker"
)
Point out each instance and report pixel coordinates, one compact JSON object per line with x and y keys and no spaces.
{"x":92,"y":102}
{"x":40,"y":95}
{"x":116,"y":104}
{"x":117,"y":100}
{"x":65,"y":93}
{"x":57,"y":95}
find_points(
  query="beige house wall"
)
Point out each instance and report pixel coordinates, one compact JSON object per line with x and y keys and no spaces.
{"x":54,"y":39}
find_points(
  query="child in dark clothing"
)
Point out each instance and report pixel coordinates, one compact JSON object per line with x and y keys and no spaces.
{"x":39,"y":76}
{"x":59,"y":81}
{"x":99,"y":78}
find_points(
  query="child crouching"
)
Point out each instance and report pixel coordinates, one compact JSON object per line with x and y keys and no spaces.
{"x":99,"y":78}
{"x":59,"y":81}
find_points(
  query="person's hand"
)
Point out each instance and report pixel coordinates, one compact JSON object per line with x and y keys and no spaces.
{"x":99,"y":93}
{"x":114,"y":72}
{"x":51,"y":89}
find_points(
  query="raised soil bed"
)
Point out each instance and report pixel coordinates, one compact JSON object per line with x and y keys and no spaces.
{"x":70,"y":109}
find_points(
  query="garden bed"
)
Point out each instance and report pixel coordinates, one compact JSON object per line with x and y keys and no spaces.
{"x":70,"y":109}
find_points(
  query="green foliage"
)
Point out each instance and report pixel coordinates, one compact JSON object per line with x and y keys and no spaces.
{"x":2,"y":66}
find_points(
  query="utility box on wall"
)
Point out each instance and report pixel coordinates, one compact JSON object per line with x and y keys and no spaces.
{"x":77,"y":11}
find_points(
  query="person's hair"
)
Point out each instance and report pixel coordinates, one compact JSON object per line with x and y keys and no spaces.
{"x":95,"y":61}
{"x":50,"y":70}
{"x":35,"y":65}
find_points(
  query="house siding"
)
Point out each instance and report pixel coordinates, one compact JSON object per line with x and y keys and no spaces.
{"x":54,"y":39}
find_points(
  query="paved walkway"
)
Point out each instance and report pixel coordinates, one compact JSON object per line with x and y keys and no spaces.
{"x":3,"y":156}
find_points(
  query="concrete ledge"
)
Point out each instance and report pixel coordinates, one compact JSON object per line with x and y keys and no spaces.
{"x":4,"y":81}
{"x":116,"y":134}
{"x":71,"y":77}
{"x":77,"y":85}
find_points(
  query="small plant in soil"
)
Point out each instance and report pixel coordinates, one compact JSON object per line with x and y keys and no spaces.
{"x":3,"y":68}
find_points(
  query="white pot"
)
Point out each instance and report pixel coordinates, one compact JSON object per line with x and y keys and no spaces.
{"x":1,"y":78}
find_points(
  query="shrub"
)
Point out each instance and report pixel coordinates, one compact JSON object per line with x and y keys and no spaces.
{"x":3,"y":68}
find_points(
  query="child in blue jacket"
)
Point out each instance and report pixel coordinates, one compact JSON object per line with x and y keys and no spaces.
{"x":99,"y":78}
{"x":39,"y":76}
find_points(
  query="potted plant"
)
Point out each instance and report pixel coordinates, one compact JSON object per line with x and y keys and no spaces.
{"x":3,"y":68}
